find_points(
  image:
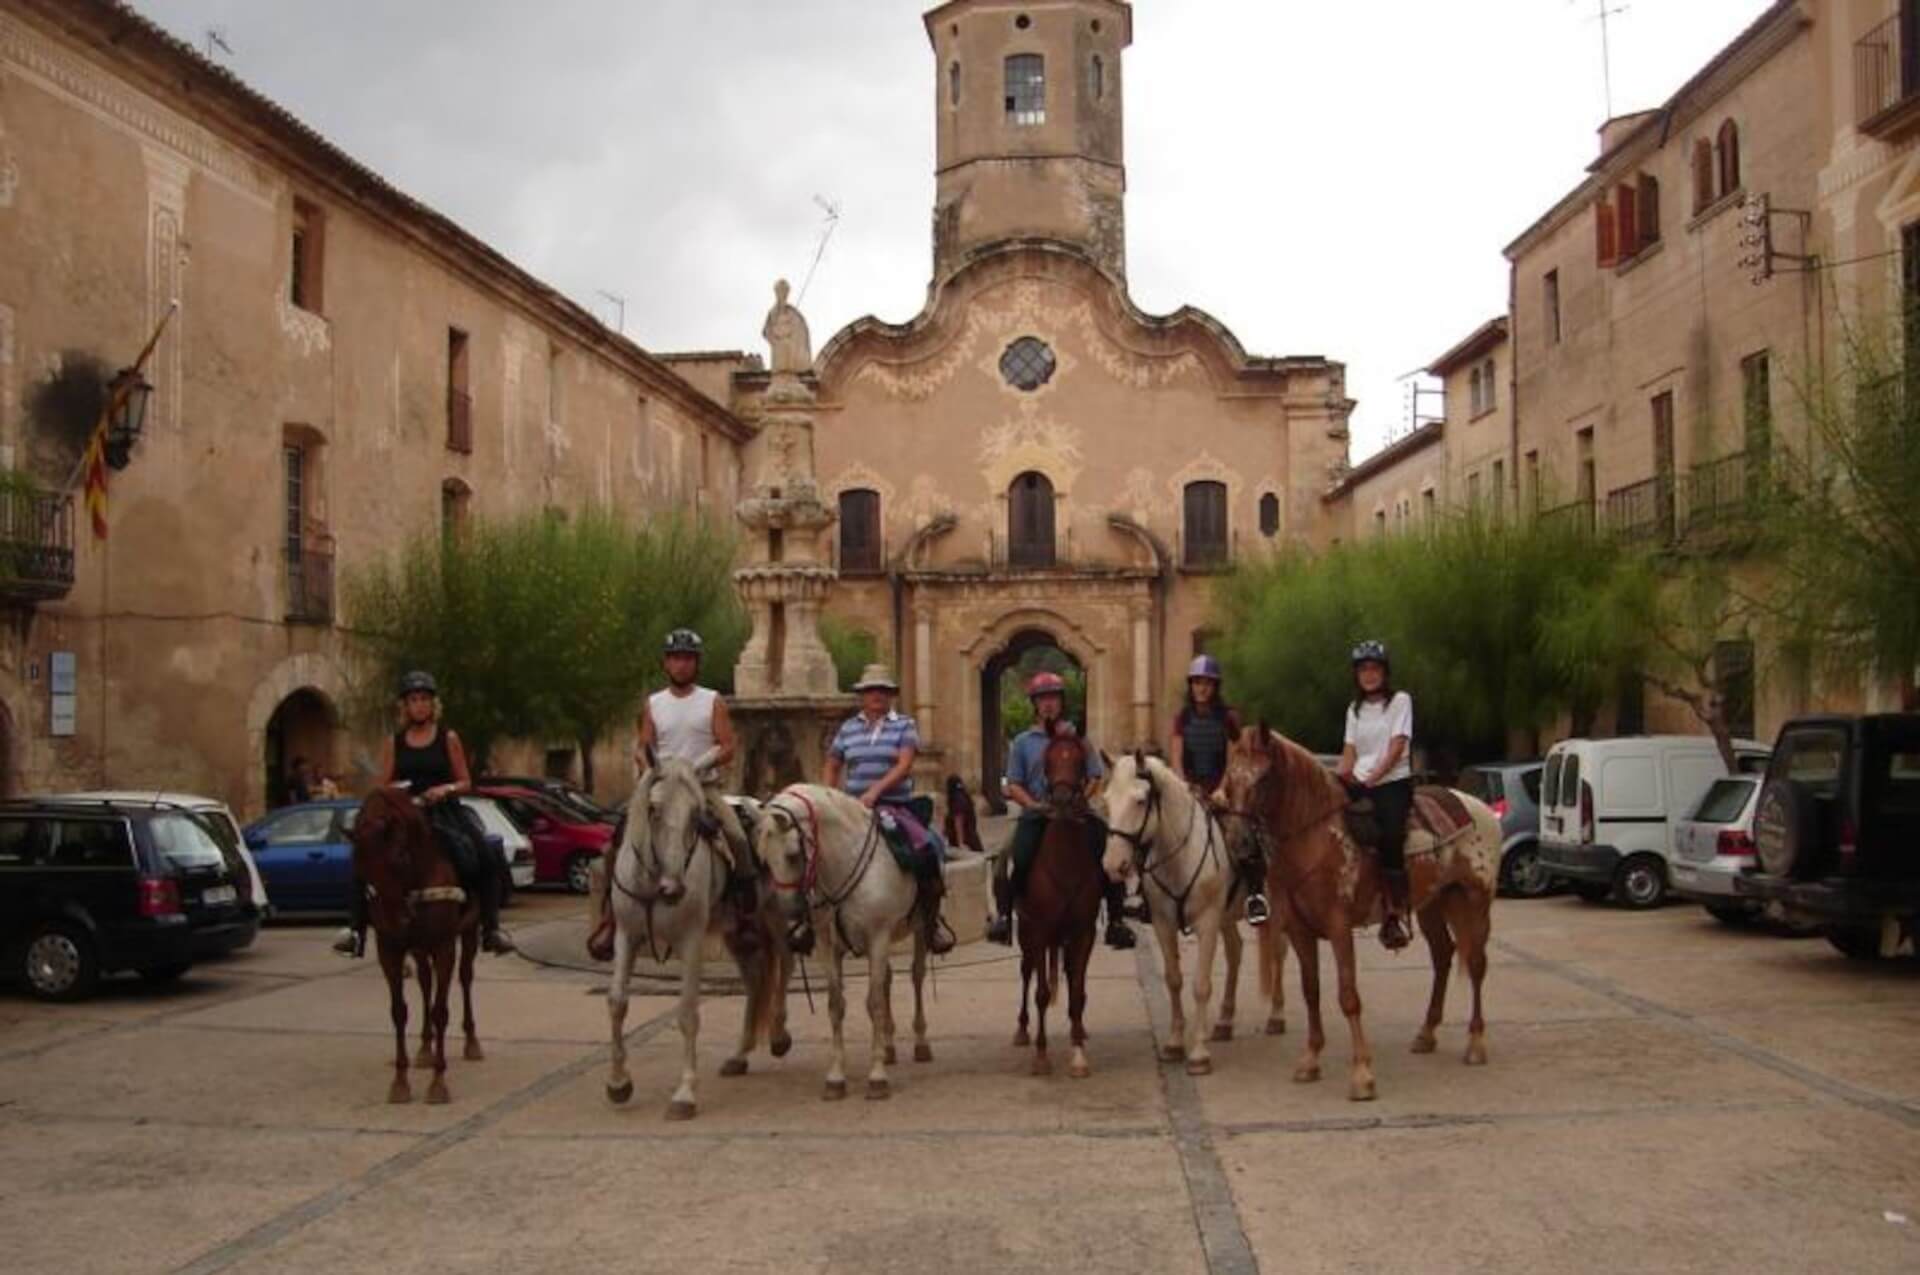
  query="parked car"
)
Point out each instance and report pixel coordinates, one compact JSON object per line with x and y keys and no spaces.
{"x":562,"y":791}
{"x":1836,"y":831}
{"x":226,"y":830}
{"x":565,"y":842}
{"x":94,"y":887}
{"x":1609,"y":806}
{"x":1512,"y":790}
{"x":308,"y":861}
{"x":514,"y":844}
{"x":1713,"y":845}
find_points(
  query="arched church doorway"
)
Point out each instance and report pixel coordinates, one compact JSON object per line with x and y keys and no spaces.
{"x":1004,"y":710}
{"x":302,"y":728}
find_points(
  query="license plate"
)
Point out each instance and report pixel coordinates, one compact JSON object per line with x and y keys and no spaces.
{"x":219,"y":894}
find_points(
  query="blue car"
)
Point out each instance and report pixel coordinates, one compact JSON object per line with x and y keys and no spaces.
{"x":303,"y":854}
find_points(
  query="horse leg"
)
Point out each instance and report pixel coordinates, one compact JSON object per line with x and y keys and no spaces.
{"x":390,"y":958}
{"x":836,"y":1016}
{"x":1472,"y":920}
{"x":1047,"y":975}
{"x":1307,"y":948}
{"x":1078,"y":956}
{"x":683,"y":1103}
{"x":779,"y":1039}
{"x":1020,"y":1037}
{"x":443,"y":957}
{"x":1360,"y":1083}
{"x":469,"y":948}
{"x":1199,"y":1059}
{"x":922,"y":1047}
{"x":424,"y":969}
{"x":619,"y":1083}
{"x":1433,"y":924}
{"x":1273,"y":973}
{"x":1234,"y":944}
{"x":1173,"y":1048}
{"x":886,"y":1008}
{"x":879,"y":977}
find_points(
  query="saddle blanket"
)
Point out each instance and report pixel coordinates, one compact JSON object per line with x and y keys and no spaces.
{"x":1441,"y":812}
{"x":917,"y":848}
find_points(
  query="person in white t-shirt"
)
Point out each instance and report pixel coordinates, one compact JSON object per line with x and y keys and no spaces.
{"x":1375,"y":763}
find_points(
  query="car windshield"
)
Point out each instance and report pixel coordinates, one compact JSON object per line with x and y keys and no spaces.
{"x":1812,"y":757}
{"x":1724,"y":801}
{"x":185,"y":841}
{"x":1530,"y":780}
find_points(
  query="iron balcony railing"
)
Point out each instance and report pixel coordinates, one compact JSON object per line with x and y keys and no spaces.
{"x":36,"y":544}
{"x":1642,"y":510}
{"x":1718,"y":493}
{"x":1886,"y":68}
{"x":1576,"y":514}
{"x":459,"y":421}
{"x":309,"y":585}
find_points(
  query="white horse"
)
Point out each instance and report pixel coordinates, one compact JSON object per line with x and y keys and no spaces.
{"x":1157,"y":829}
{"x":667,"y":894}
{"x":832,"y":869}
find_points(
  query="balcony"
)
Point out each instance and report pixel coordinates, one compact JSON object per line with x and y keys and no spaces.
{"x":1886,"y":79}
{"x":1577,"y":515}
{"x":36,"y":545}
{"x":1720,"y":494}
{"x":459,"y":422}
{"x":1642,"y":510}
{"x":309,"y":586}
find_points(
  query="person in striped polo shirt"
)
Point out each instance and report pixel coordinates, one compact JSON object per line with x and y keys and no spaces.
{"x":871,"y":758}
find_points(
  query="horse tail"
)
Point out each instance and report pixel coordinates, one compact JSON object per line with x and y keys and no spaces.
{"x":756,"y":959}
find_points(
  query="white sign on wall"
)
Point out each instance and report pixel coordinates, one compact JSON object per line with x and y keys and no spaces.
{"x":63,"y":684}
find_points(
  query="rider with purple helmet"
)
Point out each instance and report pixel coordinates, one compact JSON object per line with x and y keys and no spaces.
{"x":1203,"y":730}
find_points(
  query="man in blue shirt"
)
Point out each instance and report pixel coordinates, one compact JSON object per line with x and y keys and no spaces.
{"x":871,"y":758}
{"x":1026,"y":786}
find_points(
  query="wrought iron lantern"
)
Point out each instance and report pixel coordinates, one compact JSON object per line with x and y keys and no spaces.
{"x":129,"y":392}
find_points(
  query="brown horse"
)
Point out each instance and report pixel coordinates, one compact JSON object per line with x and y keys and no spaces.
{"x":417,"y":910}
{"x":1326,"y":885}
{"x":1059,"y":909}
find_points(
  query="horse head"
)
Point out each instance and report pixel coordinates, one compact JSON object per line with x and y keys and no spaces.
{"x":676,"y":821}
{"x":1273,"y":782}
{"x":392,"y":849}
{"x":787,"y":843}
{"x":1133,"y":801}
{"x":1065,"y":766}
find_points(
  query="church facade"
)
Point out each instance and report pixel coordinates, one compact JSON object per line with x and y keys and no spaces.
{"x":1032,"y":460}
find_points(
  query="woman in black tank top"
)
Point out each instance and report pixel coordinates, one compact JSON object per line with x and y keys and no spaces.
{"x":427,"y":760}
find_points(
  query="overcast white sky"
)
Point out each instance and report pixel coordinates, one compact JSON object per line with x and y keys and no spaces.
{"x":1330,"y":177}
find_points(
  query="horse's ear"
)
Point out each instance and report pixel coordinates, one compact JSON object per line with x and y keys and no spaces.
{"x":1139,"y":759}
{"x":1265,"y":736}
{"x":1106,"y":761}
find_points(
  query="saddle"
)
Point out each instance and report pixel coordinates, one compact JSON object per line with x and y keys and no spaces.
{"x":914,"y":846}
{"x":1437,"y":811}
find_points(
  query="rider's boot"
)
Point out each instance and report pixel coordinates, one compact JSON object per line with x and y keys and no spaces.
{"x":940,"y":937}
{"x":492,"y":938}
{"x":1000,"y":929}
{"x":1119,"y":933}
{"x":1393,"y":928}
{"x":353,"y":940}
{"x":599,"y":908}
{"x":1253,"y":875}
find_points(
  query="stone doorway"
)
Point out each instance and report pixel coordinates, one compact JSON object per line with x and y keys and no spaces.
{"x":303,"y":725}
{"x":1003,"y":709}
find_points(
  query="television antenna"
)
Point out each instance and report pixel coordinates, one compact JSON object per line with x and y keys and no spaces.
{"x":1603,"y":10}
{"x":832,"y":210}
{"x":216,"y":38}
{"x":620,"y":305}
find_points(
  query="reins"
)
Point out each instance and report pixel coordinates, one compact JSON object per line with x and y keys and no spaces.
{"x":809,"y":883}
{"x":1143,"y":850}
{"x":701,"y":835}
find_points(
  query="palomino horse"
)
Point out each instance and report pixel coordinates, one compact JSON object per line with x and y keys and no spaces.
{"x":668,"y":893}
{"x":1059,"y":910}
{"x":826,"y":854}
{"x":1326,"y":885}
{"x":418,"y":910}
{"x":1157,"y":828}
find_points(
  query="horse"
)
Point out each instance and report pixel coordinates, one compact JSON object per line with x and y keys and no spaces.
{"x":1326,"y":885}
{"x":669,"y":891}
{"x":417,"y":909}
{"x":1059,"y":910}
{"x":824,"y":852}
{"x":1160,"y":830}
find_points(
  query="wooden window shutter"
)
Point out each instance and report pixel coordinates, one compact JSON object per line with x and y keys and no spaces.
{"x":1627,"y":215}
{"x":1703,"y":193}
{"x":1729,"y":158}
{"x":1606,"y":248}
{"x":1649,"y":209}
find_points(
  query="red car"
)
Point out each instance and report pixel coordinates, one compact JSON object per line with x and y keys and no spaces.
{"x":565,"y":843}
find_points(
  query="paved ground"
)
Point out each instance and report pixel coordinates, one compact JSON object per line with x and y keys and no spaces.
{"x":1664,"y":1094}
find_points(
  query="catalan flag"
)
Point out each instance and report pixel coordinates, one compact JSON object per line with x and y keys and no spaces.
{"x":94,"y":466}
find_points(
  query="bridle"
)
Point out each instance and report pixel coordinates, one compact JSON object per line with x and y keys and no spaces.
{"x":1143,"y":847}
{"x":809,"y":885}
{"x":705,"y":828}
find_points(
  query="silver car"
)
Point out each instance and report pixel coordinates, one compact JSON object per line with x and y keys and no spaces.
{"x":1512,"y":789}
{"x":1713,"y":845}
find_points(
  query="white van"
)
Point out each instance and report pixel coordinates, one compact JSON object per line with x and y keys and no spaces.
{"x":1608,"y":809}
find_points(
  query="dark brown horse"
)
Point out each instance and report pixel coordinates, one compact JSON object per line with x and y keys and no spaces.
{"x":1059,"y":909}
{"x":417,"y":910}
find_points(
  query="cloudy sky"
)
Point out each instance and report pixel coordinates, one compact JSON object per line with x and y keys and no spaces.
{"x":1325,"y":177}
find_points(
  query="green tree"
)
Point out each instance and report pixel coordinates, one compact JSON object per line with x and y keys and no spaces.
{"x":1016,"y":710}
{"x":852,"y":649}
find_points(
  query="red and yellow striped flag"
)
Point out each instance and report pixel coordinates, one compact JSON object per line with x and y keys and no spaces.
{"x":94,"y":465}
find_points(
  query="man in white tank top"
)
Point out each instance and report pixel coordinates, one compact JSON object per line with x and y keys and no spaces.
{"x":686,"y":720}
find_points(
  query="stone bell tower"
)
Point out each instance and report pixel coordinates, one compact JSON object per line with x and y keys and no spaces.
{"x":1029,"y":126}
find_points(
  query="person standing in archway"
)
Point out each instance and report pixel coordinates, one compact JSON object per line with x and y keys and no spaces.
{"x":1203,"y":729}
{"x":1026,"y":786}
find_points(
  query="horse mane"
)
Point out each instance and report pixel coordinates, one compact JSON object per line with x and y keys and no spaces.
{"x":1303,"y":792}
{"x":390,"y":808}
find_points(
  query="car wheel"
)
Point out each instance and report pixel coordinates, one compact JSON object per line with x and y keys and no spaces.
{"x":1523,"y":875}
{"x":1731,"y":914}
{"x":61,"y":963}
{"x":168,"y":973}
{"x":1641,"y":882}
{"x":580,"y":873}
{"x":1856,"y":942}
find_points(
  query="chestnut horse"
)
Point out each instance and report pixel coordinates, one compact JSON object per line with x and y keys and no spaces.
{"x":1326,"y":885}
{"x":1059,"y":909}
{"x":417,"y":909}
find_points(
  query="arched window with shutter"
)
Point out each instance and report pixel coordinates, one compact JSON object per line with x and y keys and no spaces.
{"x":1205,"y":540}
{"x":860,"y":548}
{"x":1030,"y":521}
{"x":1270,"y":515}
{"x":1727,"y":151}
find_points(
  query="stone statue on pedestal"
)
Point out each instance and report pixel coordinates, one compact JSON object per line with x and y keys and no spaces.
{"x":786,"y":334}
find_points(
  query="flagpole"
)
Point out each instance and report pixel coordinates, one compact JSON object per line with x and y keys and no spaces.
{"x":119,"y":394}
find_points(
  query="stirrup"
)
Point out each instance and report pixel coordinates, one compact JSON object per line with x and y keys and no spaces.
{"x":1000,"y":930}
{"x":497,"y":942}
{"x":352,"y":943}
{"x":1258,"y":913}
{"x":940,"y":936}
{"x":1120,"y":936}
{"x":1393,"y":933}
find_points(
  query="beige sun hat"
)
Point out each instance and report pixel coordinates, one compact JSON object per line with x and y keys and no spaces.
{"x":875,"y":677}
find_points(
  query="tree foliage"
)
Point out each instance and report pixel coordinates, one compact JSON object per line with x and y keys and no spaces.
{"x":1016,"y":710}
{"x":539,"y":627}
{"x":852,"y":649}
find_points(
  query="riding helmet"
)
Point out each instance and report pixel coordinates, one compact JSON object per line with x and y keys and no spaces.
{"x":1204,"y":666}
{"x":683,"y":642}
{"x":1045,"y":683}
{"x":1372,"y":652}
{"x":419,"y":681}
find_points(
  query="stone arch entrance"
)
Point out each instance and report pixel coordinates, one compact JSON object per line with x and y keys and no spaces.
{"x":1027,"y":651}
{"x":303,"y":725}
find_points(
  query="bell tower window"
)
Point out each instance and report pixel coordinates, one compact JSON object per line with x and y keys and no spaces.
{"x":953,"y":84}
{"x":1026,"y":89}
{"x":1099,"y":78}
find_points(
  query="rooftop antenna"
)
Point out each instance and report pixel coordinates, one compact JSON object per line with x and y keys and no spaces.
{"x":832,"y":209}
{"x":217,"y":39}
{"x":620,"y":304}
{"x":1602,"y":11}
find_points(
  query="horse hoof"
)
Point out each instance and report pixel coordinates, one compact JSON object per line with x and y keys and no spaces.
{"x":835,"y":1090}
{"x":473,"y":1052}
{"x":1171,"y":1053}
{"x":1042,"y":1065}
{"x":437,"y":1094}
{"x":1276,"y":1027}
{"x":1361,"y":1091}
{"x":922,"y":1052}
{"x":1021,"y":1040}
{"x":1424,"y":1045}
{"x":1306,"y":1075}
{"x":891,"y":1057}
{"x":1222,"y":1031}
{"x":782,"y":1045}
{"x":879,"y":1091}
{"x":1476,"y":1054}
{"x":1199,"y":1066}
{"x":734,"y":1067}
{"x":618,"y":1094}
{"x":399,"y":1094}
{"x":1079,"y":1070}
{"x":679,"y":1110}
